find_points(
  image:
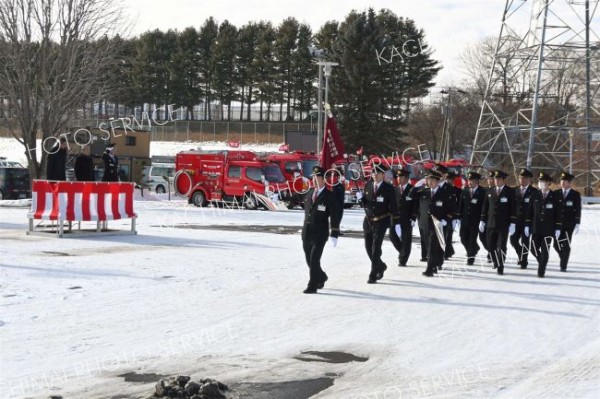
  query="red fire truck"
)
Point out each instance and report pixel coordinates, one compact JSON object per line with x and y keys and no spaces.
{"x":296,"y":167}
{"x":226,"y":176}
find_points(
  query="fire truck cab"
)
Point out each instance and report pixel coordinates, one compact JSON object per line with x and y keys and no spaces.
{"x":296,"y":168}
{"x":226,"y":176}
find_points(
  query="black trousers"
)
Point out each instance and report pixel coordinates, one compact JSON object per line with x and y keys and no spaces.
{"x":448,"y":233}
{"x":424,"y":234}
{"x":374,"y":233}
{"x":521,"y":245}
{"x":496,"y":241}
{"x":541,"y":248}
{"x":468,"y":238}
{"x":436,"y":253}
{"x":402,"y":246}
{"x":563,"y":246}
{"x":483,"y":239}
{"x":313,"y":249}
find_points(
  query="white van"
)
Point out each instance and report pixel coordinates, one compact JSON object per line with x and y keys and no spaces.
{"x":157,"y":177}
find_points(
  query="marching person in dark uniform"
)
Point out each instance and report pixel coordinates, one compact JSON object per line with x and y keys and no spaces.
{"x":434,"y":202}
{"x":543,"y":220}
{"x":336,"y":181}
{"x":483,"y":234}
{"x":523,"y":196}
{"x":454,"y":193}
{"x":469,"y":214}
{"x":320,"y":207}
{"x":499,"y":214}
{"x":84,"y":165}
{"x":571,"y":218}
{"x":111,"y":164}
{"x":405,"y":205}
{"x":414,"y":194}
{"x":56,"y":162}
{"x":379,"y":201}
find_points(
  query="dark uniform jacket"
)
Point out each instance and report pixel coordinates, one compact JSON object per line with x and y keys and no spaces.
{"x":318,"y":213}
{"x":523,"y":203}
{"x":571,"y":209}
{"x":111,"y":168}
{"x":545,"y":215}
{"x":55,"y":168}
{"x":381,"y":204}
{"x":84,"y":168}
{"x":469,"y":207}
{"x":441,"y":206}
{"x":405,"y":204}
{"x":499,"y":211}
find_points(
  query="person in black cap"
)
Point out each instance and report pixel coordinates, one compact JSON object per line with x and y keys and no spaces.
{"x":523,"y":194}
{"x":405,"y":205}
{"x":571,"y":218}
{"x":320,"y":208}
{"x":469,"y":213}
{"x":454,"y":193}
{"x":543,"y":221}
{"x":111,"y":164}
{"x":379,"y":201}
{"x":434,"y":202}
{"x":499,"y":215}
{"x":57,"y":159}
{"x":483,"y":233}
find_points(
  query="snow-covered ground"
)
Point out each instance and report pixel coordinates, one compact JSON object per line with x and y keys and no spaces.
{"x":184,"y":298}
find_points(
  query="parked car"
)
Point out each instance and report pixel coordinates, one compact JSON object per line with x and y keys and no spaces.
{"x":14,"y":183}
{"x":155,"y":177}
{"x":9,"y":164}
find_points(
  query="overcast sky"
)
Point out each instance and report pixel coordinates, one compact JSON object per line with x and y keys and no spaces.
{"x":449,"y":25}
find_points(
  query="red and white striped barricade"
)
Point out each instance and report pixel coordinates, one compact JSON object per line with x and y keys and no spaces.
{"x":81,"y":201}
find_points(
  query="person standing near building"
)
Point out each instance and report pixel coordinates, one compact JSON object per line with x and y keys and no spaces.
{"x":57,"y":160}
{"x":523,"y":193}
{"x":454,"y":194}
{"x":544,"y":220}
{"x":434,"y":202}
{"x":571,"y":218}
{"x":111,"y":164}
{"x":379,"y":202}
{"x":498,"y":215}
{"x":469,"y":213}
{"x":84,"y":165}
{"x":320,"y":213}
{"x":407,"y":216}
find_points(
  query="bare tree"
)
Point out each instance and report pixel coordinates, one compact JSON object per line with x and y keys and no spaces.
{"x":54,"y":56}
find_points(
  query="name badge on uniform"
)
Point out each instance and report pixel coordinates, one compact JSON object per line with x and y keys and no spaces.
{"x":474,"y":201}
{"x":527,"y":200}
{"x":503,"y":199}
{"x":439,"y":203}
{"x":569,"y":203}
{"x":380,"y":199}
{"x":321,"y":208}
{"x":549,"y":206}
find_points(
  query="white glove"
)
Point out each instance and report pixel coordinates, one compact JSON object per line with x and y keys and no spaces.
{"x":511,"y":229}
{"x":412,"y":223}
{"x":576,"y":229}
{"x":482,"y":226}
{"x":333,"y":242}
{"x":443,"y":223}
{"x":526,"y":231}
{"x":398,"y":230}
{"x":359,"y":195}
{"x":557,"y":234}
{"x":455,"y":224}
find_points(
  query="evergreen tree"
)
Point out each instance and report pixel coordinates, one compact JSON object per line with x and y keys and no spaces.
{"x":264,"y":67}
{"x":223,"y":65}
{"x":185,"y":71}
{"x":285,"y":46}
{"x":247,"y":48}
{"x":207,"y":40}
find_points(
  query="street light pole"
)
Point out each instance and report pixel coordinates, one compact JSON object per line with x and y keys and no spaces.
{"x":319,"y":105}
{"x":323,"y":65}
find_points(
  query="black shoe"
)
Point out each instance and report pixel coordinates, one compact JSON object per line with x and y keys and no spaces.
{"x":540,"y":275}
{"x":523,"y":265}
{"x":563,"y":269}
{"x":428,"y":274}
{"x":371,"y":281}
{"x":434,"y":271}
{"x":310,"y":290}
{"x":470,"y":261}
{"x":446,"y":257}
{"x":322,"y":282}
{"x":519,"y":263}
{"x":500,"y":272}
{"x":440,"y":267}
{"x":423,"y":259}
{"x":402,"y":264}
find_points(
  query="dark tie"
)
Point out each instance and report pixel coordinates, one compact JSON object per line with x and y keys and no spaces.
{"x":545,"y":194}
{"x":314,"y":197}
{"x":498,"y":191}
{"x":565,"y":193}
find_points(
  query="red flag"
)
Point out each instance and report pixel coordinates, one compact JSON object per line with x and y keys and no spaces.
{"x":333,"y":147}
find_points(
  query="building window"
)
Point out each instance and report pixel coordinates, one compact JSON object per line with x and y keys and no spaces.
{"x":130,"y":141}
